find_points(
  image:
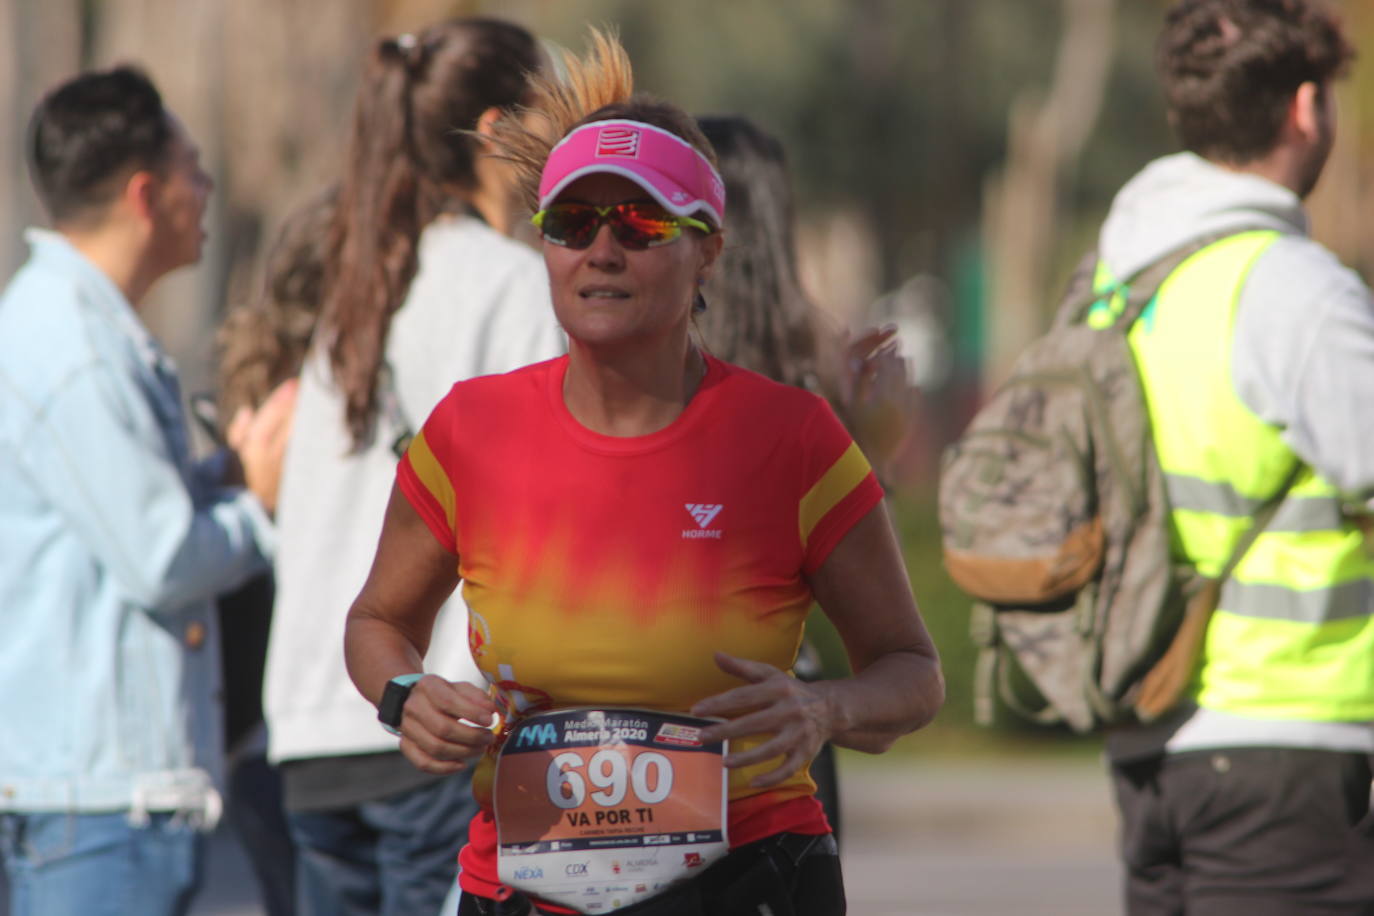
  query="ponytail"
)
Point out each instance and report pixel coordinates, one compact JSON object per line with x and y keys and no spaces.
{"x":420,"y":95}
{"x":383,"y":205}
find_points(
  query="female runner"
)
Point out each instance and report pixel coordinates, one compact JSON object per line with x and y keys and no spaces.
{"x":639,"y":526}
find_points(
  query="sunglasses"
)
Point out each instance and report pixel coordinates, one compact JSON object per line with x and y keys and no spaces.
{"x":636,"y":225}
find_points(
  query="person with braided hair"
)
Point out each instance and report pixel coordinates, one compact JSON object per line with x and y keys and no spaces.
{"x":422,"y":287}
{"x":639,"y":530}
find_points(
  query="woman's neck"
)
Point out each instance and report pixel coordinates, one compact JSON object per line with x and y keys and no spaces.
{"x":634,"y":391}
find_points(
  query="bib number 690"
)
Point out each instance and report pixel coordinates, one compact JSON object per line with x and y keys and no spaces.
{"x":607,"y":772}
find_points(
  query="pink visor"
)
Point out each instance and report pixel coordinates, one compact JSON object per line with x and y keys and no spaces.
{"x":668,"y":167}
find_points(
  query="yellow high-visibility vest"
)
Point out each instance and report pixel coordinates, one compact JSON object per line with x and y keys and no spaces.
{"x":1293,"y":635}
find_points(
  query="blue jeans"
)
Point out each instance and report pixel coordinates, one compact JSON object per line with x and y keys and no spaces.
{"x":394,"y":857}
{"x":99,"y":864}
{"x":254,"y":810}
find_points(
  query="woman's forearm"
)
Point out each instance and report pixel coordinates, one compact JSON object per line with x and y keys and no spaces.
{"x":375,"y":651}
{"x":896,"y":694}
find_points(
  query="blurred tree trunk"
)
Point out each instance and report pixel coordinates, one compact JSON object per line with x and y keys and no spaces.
{"x":1021,"y":205}
{"x":394,"y":16}
{"x":40,"y":43}
{"x":1340,"y":206}
{"x":178,"y":45}
{"x":951,"y":186}
{"x":265,"y":88}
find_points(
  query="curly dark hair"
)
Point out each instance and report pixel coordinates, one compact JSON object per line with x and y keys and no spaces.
{"x":1229,"y":69}
{"x":262,"y":343}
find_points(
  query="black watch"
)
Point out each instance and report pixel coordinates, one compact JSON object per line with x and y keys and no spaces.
{"x":394,"y":700}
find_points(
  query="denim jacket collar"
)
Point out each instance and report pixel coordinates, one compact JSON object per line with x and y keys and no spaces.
{"x":53,"y":248}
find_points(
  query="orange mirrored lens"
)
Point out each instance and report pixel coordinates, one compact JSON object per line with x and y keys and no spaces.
{"x":636,"y":225}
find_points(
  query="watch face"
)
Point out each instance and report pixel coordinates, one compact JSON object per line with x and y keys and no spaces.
{"x":393,"y":702}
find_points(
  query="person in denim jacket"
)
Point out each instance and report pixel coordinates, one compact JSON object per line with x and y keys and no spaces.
{"x":113,"y":543}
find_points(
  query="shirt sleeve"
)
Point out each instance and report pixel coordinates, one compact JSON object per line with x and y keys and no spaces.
{"x":98,"y":453}
{"x":1303,"y":359}
{"x":838,"y":486}
{"x":423,"y":475}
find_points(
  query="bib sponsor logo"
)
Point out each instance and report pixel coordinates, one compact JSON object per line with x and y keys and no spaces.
{"x":528,"y":872}
{"x":680,"y":735}
{"x":703,"y":514}
{"x":573,"y":869}
{"x":691,"y":859}
{"x":538,"y":735}
{"x":618,"y":142}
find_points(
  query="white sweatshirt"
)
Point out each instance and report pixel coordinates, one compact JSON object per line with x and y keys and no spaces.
{"x":479,"y":305}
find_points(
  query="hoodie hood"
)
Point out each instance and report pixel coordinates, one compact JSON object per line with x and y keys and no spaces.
{"x":1183,"y":197}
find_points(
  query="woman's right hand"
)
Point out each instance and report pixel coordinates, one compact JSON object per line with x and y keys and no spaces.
{"x":259,"y":438}
{"x":446,"y":724}
{"x":875,"y":399}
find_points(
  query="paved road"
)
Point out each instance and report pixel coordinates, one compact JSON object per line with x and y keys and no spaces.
{"x":986,"y":838}
{"x":980,"y":839}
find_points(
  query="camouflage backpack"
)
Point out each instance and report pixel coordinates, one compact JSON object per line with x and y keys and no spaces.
{"x":1055,"y":520}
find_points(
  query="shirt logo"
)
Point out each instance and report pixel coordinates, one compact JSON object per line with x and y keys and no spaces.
{"x":622,"y":142}
{"x":703,"y":514}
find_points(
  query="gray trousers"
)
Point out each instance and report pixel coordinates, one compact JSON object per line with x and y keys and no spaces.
{"x":1247,"y":832}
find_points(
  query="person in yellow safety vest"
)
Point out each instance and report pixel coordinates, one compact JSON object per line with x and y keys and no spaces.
{"x":1257,"y":356}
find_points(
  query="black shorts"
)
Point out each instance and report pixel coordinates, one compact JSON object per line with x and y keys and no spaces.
{"x":791,"y":874}
{"x":1247,"y":832}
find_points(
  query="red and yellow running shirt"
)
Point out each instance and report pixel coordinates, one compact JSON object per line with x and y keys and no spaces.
{"x":605,"y":571}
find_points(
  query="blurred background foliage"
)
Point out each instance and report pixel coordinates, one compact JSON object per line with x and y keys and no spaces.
{"x":952,"y":158}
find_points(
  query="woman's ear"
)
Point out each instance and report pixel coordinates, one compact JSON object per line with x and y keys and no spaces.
{"x":486,"y":121}
{"x":710,"y":250}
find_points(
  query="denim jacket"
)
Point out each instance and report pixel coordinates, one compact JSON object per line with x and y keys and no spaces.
{"x":113,"y":546}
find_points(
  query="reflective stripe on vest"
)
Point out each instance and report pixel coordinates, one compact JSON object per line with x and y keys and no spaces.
{"x":1293,"y":635}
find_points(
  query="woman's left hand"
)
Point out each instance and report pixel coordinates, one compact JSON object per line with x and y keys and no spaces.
{"x":799,"y":715}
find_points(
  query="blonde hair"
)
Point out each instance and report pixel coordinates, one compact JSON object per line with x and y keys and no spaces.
{"x":559,"y":102}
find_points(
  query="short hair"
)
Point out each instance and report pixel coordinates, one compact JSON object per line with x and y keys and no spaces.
{"x":1229,"y":69}
{"x":91,"y":131}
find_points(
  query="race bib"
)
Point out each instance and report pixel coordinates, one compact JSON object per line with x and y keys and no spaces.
{"x":597,"y":809}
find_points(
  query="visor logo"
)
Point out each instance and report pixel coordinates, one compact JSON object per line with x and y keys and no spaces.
{"x":619,"y":142}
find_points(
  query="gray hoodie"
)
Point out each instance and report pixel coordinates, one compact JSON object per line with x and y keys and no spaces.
{"x":1304,"y":346}
{"x":1303,"y":360}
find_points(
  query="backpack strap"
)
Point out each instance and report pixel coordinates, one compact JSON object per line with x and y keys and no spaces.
{"x":390,"y":407}
{"x":1140,"y":288}
{"x":1260,"y":520}
{"x":1164,"y":683}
